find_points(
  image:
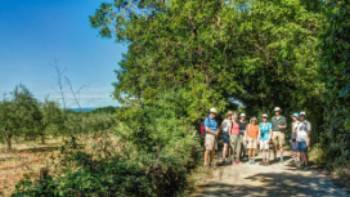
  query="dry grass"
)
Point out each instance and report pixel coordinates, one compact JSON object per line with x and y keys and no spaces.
{"x":28,"y":158}
{"x":25,"y":159}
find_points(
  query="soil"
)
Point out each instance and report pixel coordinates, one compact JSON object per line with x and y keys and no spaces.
{"x":277,"y":179}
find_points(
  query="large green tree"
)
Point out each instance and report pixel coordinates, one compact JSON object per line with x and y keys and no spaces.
{"x":213,"y":53}
{"x":335,"y":70}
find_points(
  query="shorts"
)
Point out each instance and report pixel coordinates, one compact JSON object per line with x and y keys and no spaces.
{"x":264,"y":145}
{"x":225,"y":138}
{"x":302,"y":147}
{"x":252,"y":143}
{"x":294,"y":145}
{"x":209,"y":142}
{"x":278,"y":138}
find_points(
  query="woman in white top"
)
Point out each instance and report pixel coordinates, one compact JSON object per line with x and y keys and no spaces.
{"x":303,"y":138}
{"x":225,"y":128}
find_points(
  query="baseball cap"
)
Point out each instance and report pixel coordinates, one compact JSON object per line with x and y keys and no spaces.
{"x":302,"y":113}
{"x":265,"y":115}
{"x":242,"y":115}
{"x":295,"y":114}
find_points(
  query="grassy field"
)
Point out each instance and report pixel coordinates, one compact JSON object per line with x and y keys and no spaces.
{"x":26,"y":159}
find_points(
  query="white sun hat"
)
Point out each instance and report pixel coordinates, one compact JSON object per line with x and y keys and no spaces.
{"x":213,"y":110}
{"x":277,"y":109}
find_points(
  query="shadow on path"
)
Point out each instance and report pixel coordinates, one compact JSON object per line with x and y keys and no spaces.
{"x":272,"y":184}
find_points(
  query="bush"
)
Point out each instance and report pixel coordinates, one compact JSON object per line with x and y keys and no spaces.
{"x":317,"y":155}
{"x":158,"y":151}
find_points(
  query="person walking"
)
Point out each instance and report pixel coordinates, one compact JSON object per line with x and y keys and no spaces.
{"x":212,"y":131}
{"x":225,"y":134}
{"x":265,"y":137}
{"x":293,"y":140}
{"x":279,"y":125}
{"x":242,"y":128}
{"x":235,"y":140}
{"x":252,"y":136}
{"x":303,"y":132}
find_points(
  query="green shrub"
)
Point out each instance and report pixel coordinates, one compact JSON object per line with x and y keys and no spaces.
{"x":317,"y":155}
{"x":159,"y":150}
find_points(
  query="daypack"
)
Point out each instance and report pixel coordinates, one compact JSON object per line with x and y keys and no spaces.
{"x":202,"y":129}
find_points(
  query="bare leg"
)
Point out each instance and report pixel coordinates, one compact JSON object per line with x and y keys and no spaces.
{"x":263,"y":153}
{"x":300,"y":159}
{"x":206,"y":158}
{"x":212,"y":156}
{"x":238,"y":149}
{"x":281,"y":151}
{"x":224,"y":151}
{"x":253,"y":154}
{"x":250,"y":153}
{"x":306,"y":159}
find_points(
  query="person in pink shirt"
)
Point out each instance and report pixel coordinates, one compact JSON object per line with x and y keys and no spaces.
{"x":235,"y":140}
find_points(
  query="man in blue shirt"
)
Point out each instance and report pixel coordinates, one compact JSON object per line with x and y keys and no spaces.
{"x":211,"y":132}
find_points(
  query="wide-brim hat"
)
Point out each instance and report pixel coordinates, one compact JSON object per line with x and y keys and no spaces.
{"x":277,"y":109}
{"x":213,"y":110}
{"x":229,"y":113}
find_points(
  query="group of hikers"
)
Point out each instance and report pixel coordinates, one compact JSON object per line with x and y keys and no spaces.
{"x":241,"y":138}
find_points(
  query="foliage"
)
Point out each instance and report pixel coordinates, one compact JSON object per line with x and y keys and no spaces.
{"x":187,"y":56}
{"x":140,"y":172}
{"x":20,"y":115}
{"x":335,"y":70}
{"x":87,"y":122}
{"x":257,"y":52}
{"x":53,"y":119}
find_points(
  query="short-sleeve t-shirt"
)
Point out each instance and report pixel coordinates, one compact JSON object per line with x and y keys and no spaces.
{"x":303,"y":129}
{"x":235,"y":128}
{"x":265,"y":128}
{"x":278,"y":121}
{"x":226,"y":126}
{"x":242,"y":127}
{"x":252,"y":130}
{"x":211,"y":124}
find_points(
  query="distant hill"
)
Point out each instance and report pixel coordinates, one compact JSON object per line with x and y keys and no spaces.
{"x":83,"y":109}
{"x":109,"y":109}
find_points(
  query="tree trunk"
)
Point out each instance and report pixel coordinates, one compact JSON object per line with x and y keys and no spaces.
{"x":9,"y":142}
{"x":42,"y":137}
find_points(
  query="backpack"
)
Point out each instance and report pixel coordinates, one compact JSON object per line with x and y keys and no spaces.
{"x":202,"y":129}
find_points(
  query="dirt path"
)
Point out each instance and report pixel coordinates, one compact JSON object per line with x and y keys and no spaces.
{"x":278,"y":179}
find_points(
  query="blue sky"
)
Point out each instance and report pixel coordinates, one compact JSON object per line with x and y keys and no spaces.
{"x":35,"y":33}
